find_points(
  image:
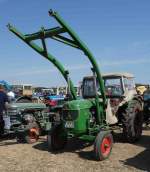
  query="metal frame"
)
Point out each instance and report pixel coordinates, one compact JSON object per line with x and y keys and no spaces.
{"x":74,"y":41}
{"x":28,"y":39}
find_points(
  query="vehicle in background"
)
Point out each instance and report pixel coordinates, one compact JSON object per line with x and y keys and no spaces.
{"x":23,"y":90}
{"x":141,"y":88}
{"x":27,"y":121}
{"x":146,"y":109}
{"x":53,"y":100}
{"x":27,"y":90}
{"x":61,"y":90}
{"x":124,"y":107}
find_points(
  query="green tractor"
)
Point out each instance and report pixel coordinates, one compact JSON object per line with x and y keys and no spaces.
{"x":82,"y":118}
{"x":89,"y":118}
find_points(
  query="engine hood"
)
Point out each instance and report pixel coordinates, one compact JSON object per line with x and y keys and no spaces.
{"x":27,"y":106}
{"x":77,"y":105}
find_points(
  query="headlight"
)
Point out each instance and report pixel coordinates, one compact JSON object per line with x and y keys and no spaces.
{"x":28,"y":118}
{"x":70,"y":114}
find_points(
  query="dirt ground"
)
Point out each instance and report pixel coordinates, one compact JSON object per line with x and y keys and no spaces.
{"x":76,"y":157}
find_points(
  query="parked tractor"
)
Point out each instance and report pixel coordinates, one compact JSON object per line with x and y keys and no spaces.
{"x":125,"y":105}
{"x":86,"y":118}
{"x":52,"y":101}
{"x":27,"y":121}
{"x":28,"y":118}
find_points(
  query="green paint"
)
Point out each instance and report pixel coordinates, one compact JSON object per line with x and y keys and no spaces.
{"x":77,"y":111}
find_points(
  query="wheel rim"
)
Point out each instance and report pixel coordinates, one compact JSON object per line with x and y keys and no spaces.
{"x":106,"y":146}
{"x":33,"y":134}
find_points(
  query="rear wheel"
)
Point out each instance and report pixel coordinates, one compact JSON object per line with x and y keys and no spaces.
{"x":132,"y":121}
{"x":57,"y":138}
{"x":103,"y":145}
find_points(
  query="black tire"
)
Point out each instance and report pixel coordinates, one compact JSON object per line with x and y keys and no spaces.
{"x":32,"y":134}
{"x":103,"y":145}
{"x":57,"y":138}
{"x":20,"y":138}
{"x":132,"y":120}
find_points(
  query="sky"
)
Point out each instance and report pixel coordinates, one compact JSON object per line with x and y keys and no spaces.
{"x":116,"y":31}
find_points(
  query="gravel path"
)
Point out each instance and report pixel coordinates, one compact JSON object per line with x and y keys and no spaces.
{"x":76,"y":157}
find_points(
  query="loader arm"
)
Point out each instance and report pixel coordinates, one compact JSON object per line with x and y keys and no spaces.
{"x":72,"y":40}
{"x":77,"y":43}
{"x":43,"y":34}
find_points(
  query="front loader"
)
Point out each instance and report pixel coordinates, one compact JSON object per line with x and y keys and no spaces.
{"x":34,"y":123}
{"x":79,"y":118}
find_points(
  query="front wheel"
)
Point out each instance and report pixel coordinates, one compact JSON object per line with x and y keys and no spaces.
{"x":57,"y":138}
{"x":32,"y":134}
{"x":103,"y":145}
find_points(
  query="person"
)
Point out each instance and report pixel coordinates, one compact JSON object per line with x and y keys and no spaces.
{"x":11,"y":96}
{"x":3,"y":105}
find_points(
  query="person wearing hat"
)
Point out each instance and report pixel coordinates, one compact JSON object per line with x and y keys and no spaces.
{"x":3,"y":106}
